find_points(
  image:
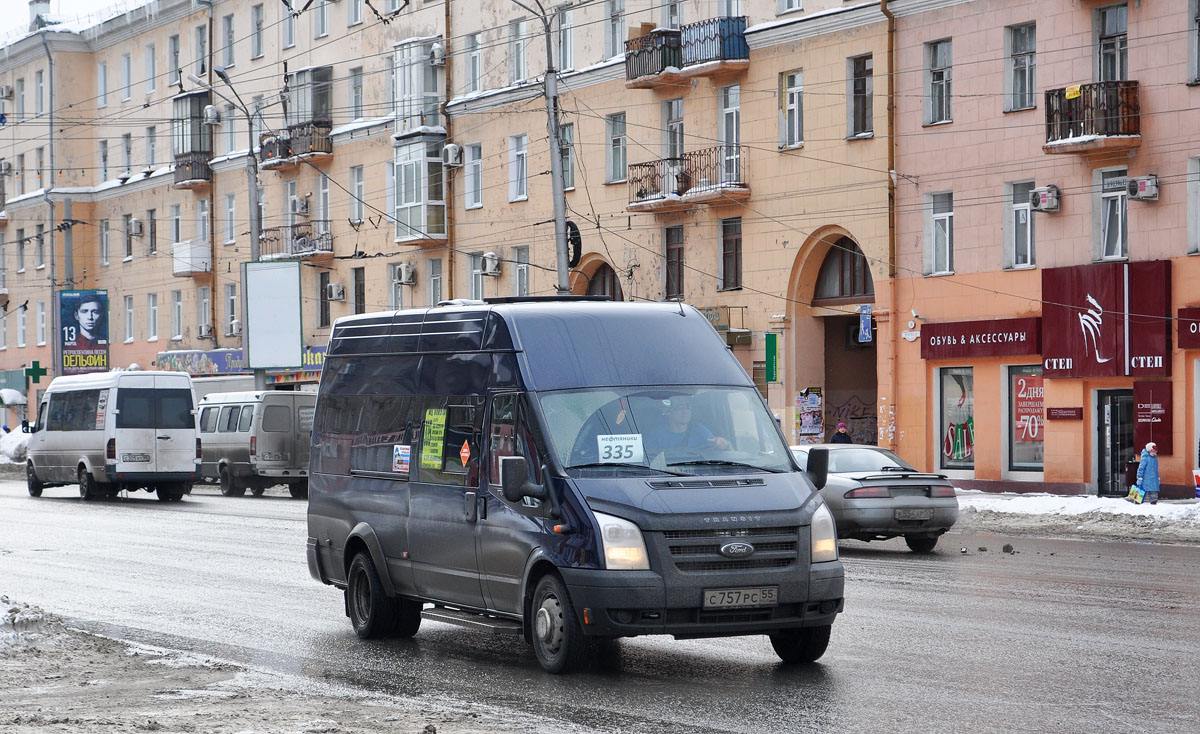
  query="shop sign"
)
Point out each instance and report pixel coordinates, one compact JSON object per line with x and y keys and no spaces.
{"x":1064,"y":414}
{"x":1152,"y":415}
{"x":206,"y":363}
{"x":1107,"y":320}
{"x":989,"y":338}
{"x":1189,"y":328}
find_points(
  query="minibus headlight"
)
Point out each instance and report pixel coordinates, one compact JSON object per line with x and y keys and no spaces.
{"x":824,"y":535}
{"x":624,"y":548}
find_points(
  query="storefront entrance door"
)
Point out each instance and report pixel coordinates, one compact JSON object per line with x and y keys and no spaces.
{"x":1115,"y":440}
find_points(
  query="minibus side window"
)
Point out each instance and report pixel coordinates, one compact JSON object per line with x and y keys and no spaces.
{"x":450,"y":442}
{"x":247,"y":418}
{"x":208,"y":420}
{"x":229,"y":419}
{"x":58,"y":412}
{"x":384,"y":422}
{"x":40,"y":424}
{"x":510,"y":434}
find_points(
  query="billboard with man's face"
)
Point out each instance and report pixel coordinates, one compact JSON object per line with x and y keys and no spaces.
{"x":83,"y":331}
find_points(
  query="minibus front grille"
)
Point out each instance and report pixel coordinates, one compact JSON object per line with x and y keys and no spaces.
{"x":730,"y":565}
{"x":721,"y":533}
{"x":699,"y":551}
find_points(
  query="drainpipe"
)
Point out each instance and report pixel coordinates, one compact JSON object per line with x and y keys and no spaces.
{"x":47,"y":185}
{"x":894,"y":317}
{"x":447,"y":179}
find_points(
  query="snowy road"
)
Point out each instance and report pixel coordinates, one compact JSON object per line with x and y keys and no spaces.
{"x":1049,"y":637}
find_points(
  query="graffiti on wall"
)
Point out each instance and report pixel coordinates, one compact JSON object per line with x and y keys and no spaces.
{"x":858,"y":415}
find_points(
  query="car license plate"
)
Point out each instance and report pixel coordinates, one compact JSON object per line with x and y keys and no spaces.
{"x":135,"y":458}
{"x":906,"y":513}
{"x":763,"y":596}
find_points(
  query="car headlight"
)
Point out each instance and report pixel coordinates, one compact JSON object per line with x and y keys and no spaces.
{"x":824,"y":535}
{"x":624,"y":548}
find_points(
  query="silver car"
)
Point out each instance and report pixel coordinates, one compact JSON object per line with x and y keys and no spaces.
{"x":876,"y":495}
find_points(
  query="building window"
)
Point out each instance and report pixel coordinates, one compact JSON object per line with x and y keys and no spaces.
{"x":674,"y":259}
{"x":201,"y":49}
{"x":359,"y":278}
{"x":787,"y":6}
{"x":673,"y":14}
{"x":420,"y":206}
{"x":176,"y":223}
{"x":1194,"y":42}
{"x":957,"y":426}
{"x":615,"y":25}
{"x":474,"y":173}
{"x":104,"y":245}
{"x":475,"y":282}
{"x":203,"y":307}
{"x":174,"y":73}
{"x":1026,"y":408}
{"x":256,"y":32}
{"x":518,"y":45}
{"x":418,"y":87}
{"x":357,"y":192}
{"x":103,"y":160}
{"x":731,"y":133}
{"x":129,"y":336}
{"x":20,"y":94}
{"x":520,"y":271}
{"x":39,"y":253}
{"x":127,"y":232}
{"x":127,"y":153}
{"x":324,"y":317}
{"x":126,"y":79}
{"x":474,"y":62}
{"x":176,"y":314}
{"x":1021,"y":226}
{"x":151,"y":231}
{"x":941,"y":241}
{"x":354,"y":12}
{"x":845,"y":275}
{"x":1113,"y":47}
{"x":321,"y":23}
{"x":518,"y":169}
{"x":1114,"y":206}
{"x":151,"y":69}
{"x":356,"y":93}
{"x":566,"y":143}
{"x":230,"y":219}
{"x":729,"y":8}
{"x":152,"y":317}
{"x":566,"y":40}
{"x":673,"y":115}
{"x":791,"y":93}
{"x":21,"y":246}
{"x":227,"y":40}
{"x":41,"y":324}
{"x":230,"y":308}
{"x":435,"y":281}
{"x":289,"y":30}
{"x":862,"y":87}
{"x":616,"y":161}
{"x":151,"y":147}
{"x":1022,"y":54}
{"x":396,"y":292}
{"x":21,"y":311}
{"x":101,"y":86}
{"x":937,"y":91}
{"x":3,"y":331}
{"x":39,"y":90}
{"x":731,"y":253}
{"x":21,"y":170}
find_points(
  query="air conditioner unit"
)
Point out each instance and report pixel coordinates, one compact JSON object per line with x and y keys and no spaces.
{"x":1044,"y":199}
{"x":335,"y":292}
{"x":212,"y":116}
{"x":437,"y":55}
{"x":204,"y":331}
{"x":491,"y":264}
{"x":6,"y":91}
{"x":299,"y":205}
{"x":405,"y":274}
{"x":135,"y":228}
{"x":1143,"y":188}
{"x":5,"y":168}
{"x":235,"y":327}
{"x":452,"y":155}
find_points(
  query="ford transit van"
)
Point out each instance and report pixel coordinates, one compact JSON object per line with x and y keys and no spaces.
{"x":254,"y":440}
{"x":568,"y":470}
{"x":110,"y":431}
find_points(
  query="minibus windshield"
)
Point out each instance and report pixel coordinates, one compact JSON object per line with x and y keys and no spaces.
{"x":646,"y":431}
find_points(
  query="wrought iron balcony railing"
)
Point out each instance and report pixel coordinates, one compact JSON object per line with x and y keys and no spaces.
{"x":701,"y":176}
{"x":299,"y":241}
{"x":717,"y":39}
{"x":191,"y":169}
{"x":696,"y":49}
{"x":1081,"y":114}
{"x":653,"y":54}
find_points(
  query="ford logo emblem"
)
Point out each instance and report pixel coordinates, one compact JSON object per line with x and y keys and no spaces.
{"x":737,"y":549}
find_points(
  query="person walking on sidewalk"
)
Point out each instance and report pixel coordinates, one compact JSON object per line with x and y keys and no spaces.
{"x":841,"y":435}
{"x":1147,"y":473}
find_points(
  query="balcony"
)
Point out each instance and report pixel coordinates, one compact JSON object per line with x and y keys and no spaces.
{"x":274,"y":152}
{"x":1092,"y":118}
{"x":303,"y":241}
{"x":192,"y":171}
{"x":708,"y":48}
{"x":709,"y":176}
{"x":311,"y":138}
{"x":191,"y":257}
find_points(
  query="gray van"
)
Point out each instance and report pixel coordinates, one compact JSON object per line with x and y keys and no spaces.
{"x":568,"y":470}
{"x":254,"y":440}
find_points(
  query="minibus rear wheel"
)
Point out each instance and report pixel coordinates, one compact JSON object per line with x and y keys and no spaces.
{"x":31,"y":480}
{"x":372,"y":612}
{"x":558,"y":640}
{"x":87,"y":485}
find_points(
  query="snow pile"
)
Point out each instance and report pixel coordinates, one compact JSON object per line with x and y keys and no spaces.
{"x":18,"y":623}
{"x":1088,"y":516}
{"x":13,"y":447}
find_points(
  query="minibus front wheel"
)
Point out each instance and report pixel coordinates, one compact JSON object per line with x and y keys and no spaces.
{"x":31,"y":480}
{"x":558,"y":639}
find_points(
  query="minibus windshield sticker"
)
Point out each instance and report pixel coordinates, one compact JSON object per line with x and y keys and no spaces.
{"x":465,"y":453}
{"x":435,"y":435}
{"x":101,"y":409}
{"x":620,"y":448}
{"x":400,"y":457}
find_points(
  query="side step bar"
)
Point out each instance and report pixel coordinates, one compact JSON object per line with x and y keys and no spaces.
{"x":478,"y":622}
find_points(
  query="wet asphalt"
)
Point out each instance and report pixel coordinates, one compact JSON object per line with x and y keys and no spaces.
{"x":1056,"y":635}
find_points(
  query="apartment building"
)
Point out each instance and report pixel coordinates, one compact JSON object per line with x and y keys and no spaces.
{"x":1047,"y":229}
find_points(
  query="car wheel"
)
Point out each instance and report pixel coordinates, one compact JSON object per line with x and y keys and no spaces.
{"x":87,"y":485}
{"x":558,"y":640}
{"x":920,"y":543}
{"x":32,"y":482}
{"x":372,"y":611}
{"x":169,"y":493}
{"x":408,"y":618}
{"x":299,"y":490}
{"x":229,"y":485}
{"x":804,"y":645}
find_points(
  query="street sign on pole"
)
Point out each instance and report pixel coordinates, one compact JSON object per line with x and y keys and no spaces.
{"x":772,"y":344}
{"x":864,"y":323}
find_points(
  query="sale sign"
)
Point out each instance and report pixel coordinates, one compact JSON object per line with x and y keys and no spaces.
{"x":1028,"y":407}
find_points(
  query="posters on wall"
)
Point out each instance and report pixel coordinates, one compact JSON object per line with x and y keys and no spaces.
{"x":810,"y":426}
{"x":83,"y":334}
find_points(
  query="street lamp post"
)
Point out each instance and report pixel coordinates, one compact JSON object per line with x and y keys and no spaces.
{"x":260,"y":376}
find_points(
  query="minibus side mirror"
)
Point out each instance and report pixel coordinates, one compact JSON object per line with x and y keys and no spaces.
{"x":818,"y":467}
{"x":514,"y":480}
{"x":25,"y":426}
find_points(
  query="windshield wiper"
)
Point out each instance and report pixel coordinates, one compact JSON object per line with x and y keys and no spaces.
{"x":722,"y":462}
{"x":607,"y":464}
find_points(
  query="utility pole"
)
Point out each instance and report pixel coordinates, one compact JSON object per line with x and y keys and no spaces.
{"x":556,"y":173}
